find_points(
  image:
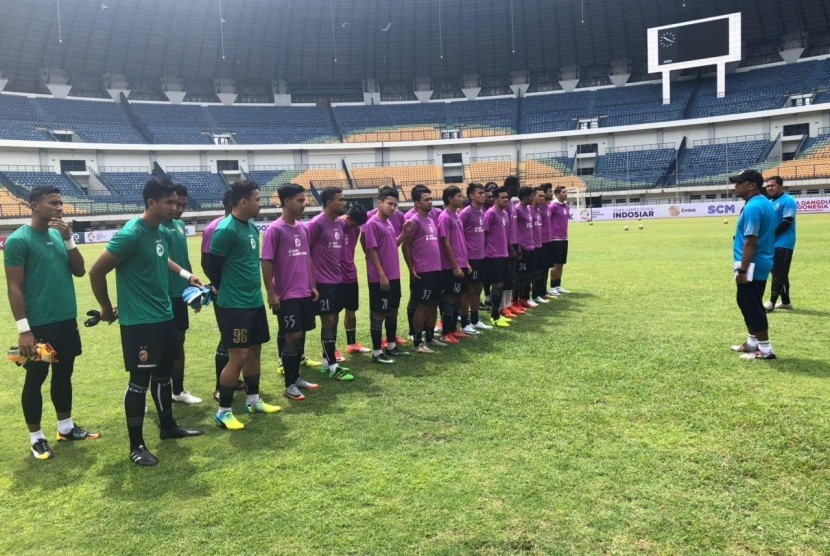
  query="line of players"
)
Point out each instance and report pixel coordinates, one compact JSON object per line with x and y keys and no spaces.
{"x":308,"y":271}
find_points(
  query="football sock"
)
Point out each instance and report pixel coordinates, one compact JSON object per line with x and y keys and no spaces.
{"x":418,"y":339}
{"x":328,"y":336}
{"x":134,"y":400}
{"x":252,"y":384}
{"x":447,"y":319}
{"x":465,"y":320}
{"x":496,"y":306}
{"x":474,"y":317}
{"x":226,"y":396}
{"x":162,"y":391}
{"x":752,"y":341}
{"x":351,"y":336}
{"x":376,"y":331}
{"x":291,"y":363}
{"x":391,"y":322}
{"x":35,"y":436}
{"x":410,"y":314}
{"x":220,"y":359}
{"x":65,"y":425}
{"x":765,"y":347}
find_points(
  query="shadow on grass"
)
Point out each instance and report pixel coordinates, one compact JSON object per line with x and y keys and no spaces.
{"x":802,"y":312}
{"x":175,"y":475}
{"x":71,"y":464}
{"x":811,"y":367}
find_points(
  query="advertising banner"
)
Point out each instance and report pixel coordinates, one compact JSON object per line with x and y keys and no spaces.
{"x":690,"y":210}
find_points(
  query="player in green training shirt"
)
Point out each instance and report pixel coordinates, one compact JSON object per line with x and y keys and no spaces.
{"x":140,"y":255}
{"x":40,"y":260}
{"x":177,"y":284}
{"x":234,"y":270}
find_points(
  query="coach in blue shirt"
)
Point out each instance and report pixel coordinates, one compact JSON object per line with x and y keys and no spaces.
{"x":753,"y":251}
{"x":785,"y":209}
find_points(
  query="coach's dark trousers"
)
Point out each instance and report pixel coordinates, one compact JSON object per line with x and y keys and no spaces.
{"x":750,"y":299}
{"x":781,"y":274}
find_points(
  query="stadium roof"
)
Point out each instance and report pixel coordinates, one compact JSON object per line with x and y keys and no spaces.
{"x":391,"y":40}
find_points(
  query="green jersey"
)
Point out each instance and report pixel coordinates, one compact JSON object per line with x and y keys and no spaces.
{"x":48,"y":290}
{"x":141,"y":277}
{"x":178,"y":254}
{"x":238,"y":243}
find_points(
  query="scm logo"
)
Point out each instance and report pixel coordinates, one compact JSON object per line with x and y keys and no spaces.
{"x":721,"y":209}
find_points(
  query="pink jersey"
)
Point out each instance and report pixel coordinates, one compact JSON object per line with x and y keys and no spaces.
{"x":325,"y":238}
{"x":379,"y":234}
{"x":286,"y":248}
{"x":560,"y":215}
{"x":207,"y":233}
{"x":424,"y":249}
{"x":450,"y":226}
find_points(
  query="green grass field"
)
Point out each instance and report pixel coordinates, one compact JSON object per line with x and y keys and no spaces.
{"x":615,"y":420}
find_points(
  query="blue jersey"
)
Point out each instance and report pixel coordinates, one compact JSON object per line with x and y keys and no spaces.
{"x":785,"y":207}
{"x":757,"y":219}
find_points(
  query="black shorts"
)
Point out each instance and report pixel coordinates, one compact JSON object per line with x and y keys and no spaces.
{"x":498,"y":271}
{"x":296,"y":315}
{"x":453,"y":285}
{"x":427,"y":289}
{"x":750,"y":298}
{"x":477,"y":275}
{"x":63,"y":336}
{"x":350,"y":294}
{"x":528,"y":262}
{"x":150,"y":348}
{"x":330,"y":302}
{"x":181,"y":317}
{"x":243,"y":328}
{"x":382,"y":301}
{"x":546,"y":258}
{"x":559,"y":252}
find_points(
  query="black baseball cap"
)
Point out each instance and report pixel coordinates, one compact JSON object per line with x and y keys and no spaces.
{"x":748,"y":175}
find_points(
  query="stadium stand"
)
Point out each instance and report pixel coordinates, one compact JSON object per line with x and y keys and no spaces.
{"x":93,"y":121}
{"x":25,"y":118}
{"x":204,"y":188}
{"x":709,"y":159}
{"x":814,"y":162}
{"x":403,"y":176}
{"x":640,"y":165}
{"x":484,"y":170}
{"x":29,"y":179}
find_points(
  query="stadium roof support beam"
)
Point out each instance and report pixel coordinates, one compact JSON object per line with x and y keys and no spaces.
{"x":519,"y":82}
{"x":56,"y":81}
{"x":792,"y":46}
{"x":371,"y":91}
{"x":569,"y":78}
{"x":471,"y":86}
{"x":423,"y":88}
{"x":116,"y":84}
{"x":619,"y":72}
{"x":225,"y":90}
{"x":173,"y":88}
{"x":282,"y":96}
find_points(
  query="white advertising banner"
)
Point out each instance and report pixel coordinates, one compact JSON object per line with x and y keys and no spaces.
{"x":689,"y":210}
{"x":103,"y":236}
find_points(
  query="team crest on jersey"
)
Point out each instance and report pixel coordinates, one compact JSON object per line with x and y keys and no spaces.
{"x":253,"y":243}
{"x":297,"y":242}
{"x":159,"y":249}
{"x":336,"y":235}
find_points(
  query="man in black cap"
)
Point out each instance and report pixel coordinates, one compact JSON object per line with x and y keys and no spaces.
{"x":753,"y":251}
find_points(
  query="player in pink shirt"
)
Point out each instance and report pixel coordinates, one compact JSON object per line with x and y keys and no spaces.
{"x":455,"y":266}
{"x":352,"y":221}
{"x":325,"y":238}
{"x":289,"y":285}
{"x":380,"y":241}
{"x":560,"y":216}
{"x":422,"y":254}
{"x":472,"y":220}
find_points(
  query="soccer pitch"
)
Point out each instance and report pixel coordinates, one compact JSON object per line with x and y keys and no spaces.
{"x":614,"y":420}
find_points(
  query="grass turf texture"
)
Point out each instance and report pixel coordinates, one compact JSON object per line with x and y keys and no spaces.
{"x":615,"y":420}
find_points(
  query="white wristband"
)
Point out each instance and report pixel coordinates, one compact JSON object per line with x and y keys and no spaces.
{"x":185,"y":274}
{"x":23,"y":326}
{"x":70,"y":243}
